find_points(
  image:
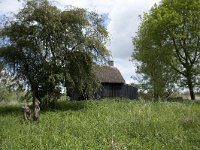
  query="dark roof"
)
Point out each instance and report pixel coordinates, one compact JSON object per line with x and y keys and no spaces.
{"x":108,"y":74}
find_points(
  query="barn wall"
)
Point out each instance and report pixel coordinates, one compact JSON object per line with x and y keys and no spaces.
{"x":129,"y":91}
{"x":74,"y":95}
{"x":109,"y":90}
{"x":117,"y":90}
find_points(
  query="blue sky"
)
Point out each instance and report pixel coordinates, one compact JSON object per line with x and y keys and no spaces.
{"x":122,"y":23}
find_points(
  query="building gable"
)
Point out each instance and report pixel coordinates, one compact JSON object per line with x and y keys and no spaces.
{"x":108,"y":74}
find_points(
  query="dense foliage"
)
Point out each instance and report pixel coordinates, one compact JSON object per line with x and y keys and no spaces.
{"x":46,"y":47}
{"x":167,"y":46}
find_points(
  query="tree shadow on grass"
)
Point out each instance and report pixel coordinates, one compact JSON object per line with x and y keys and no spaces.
{"x":10,"y":110}
{"x":59,"y":106}
{"x":183,"y":101}
{"x":68,"y":105}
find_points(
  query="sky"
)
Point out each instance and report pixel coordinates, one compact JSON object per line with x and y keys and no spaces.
{"x":122,"y":20}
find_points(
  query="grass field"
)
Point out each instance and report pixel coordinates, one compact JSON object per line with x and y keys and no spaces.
{"x":104,"y":124}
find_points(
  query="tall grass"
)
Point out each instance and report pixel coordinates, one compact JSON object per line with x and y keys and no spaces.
{"x":105,"y":124}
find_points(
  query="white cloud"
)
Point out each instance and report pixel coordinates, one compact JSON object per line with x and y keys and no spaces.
{"x":7,"y":6}
{"x":101,"y":6}
{"x":123,"y":24}
{"x":126,"y":68}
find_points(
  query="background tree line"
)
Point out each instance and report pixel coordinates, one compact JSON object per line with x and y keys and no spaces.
{"x":46,"y":48}
{"x":167,"y":47}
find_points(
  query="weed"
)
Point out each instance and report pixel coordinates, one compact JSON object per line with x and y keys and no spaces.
{"x":104,"y":124}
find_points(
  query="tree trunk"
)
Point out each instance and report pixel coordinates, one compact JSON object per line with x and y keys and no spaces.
{"x":33,"y":88}
{"x":155,"y":90}
{"x":191,"y":88}
{"x":31,"y":81}
{"x":34,"y":96}
{"x":155,"y":95}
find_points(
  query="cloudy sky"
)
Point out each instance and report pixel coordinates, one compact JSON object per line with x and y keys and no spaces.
{"x":122,"y":24}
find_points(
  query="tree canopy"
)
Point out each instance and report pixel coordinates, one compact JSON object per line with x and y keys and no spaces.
{"x":47,"y":47}
{"x":167,"y":44}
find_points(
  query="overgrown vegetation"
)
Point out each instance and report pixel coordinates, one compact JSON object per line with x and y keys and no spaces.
{"x":9,"y":93}
{"x":104,"y":124}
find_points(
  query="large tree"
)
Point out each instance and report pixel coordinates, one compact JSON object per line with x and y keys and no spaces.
{"x":169,"y":35}
{"x":40,"y":42}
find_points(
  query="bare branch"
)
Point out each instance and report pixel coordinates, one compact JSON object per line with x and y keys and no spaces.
{"x":180,"y":57}
{"x":196,"y":56}
{"x":176,"y":69}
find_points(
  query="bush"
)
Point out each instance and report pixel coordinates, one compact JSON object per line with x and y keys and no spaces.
{"x":4,"y":94}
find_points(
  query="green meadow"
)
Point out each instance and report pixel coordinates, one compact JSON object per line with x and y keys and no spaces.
{"x":110,"y":124}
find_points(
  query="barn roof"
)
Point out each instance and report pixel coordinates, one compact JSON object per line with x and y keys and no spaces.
{"x":108,"y":74}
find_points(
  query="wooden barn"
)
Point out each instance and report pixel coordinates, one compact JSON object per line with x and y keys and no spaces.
{"x":112,"y":84}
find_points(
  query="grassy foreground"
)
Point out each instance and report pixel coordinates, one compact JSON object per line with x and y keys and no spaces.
{"x":105,"y":124}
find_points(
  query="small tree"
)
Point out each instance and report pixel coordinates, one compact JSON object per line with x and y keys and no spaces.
{"x":41,"y":43}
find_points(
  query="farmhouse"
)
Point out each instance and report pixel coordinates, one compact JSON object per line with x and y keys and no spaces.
{"x":112,"y":84}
